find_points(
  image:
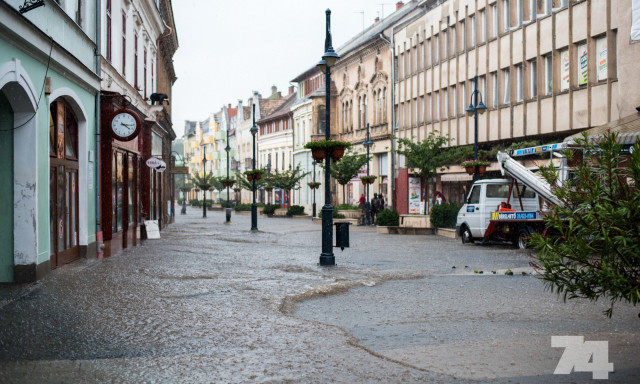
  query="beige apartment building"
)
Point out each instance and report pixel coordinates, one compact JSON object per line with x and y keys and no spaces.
{"x":546,"y":69}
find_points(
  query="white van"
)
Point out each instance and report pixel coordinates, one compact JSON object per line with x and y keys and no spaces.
{"x":485,"y":198}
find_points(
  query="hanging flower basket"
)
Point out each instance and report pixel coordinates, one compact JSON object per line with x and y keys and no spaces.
{"x":470,"y":170}
{"x":205,"y":187}
{"x":368,"y":179}
{"x":482,"y":169}
{"x":319,"y":154}
{"x":337,"y":152}
{"x":313,"y":185}
{"x":470,"y":166}
{"x":268,"y":189}
{"x":254,"y":173}
{"x":227,"y":182}
{"x":237,"y":189}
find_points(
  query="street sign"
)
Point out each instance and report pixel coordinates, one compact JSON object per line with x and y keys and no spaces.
{"x":180,"y":170}
{"x":157,"y":164}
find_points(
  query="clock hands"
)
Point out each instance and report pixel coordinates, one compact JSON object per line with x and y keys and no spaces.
{"x":126,"y":125}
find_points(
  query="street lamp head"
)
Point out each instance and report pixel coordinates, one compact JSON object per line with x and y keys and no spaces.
{"x":253,"y":130}
{"x":470,"y":110}
{"x":330,"y":57}
{"x":322,"y":65}
{"x":227,"y":148}
{"x":367,"y":143}
{"x":481,"y":107}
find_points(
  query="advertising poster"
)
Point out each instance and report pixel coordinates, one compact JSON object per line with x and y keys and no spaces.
{"x":601,"y":48}
{"x":564,"y":64}
{"x":414,"y":197}
{"x":582,"y":65}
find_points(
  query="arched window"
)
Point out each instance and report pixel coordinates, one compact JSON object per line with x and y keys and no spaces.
{"x":384,"y":104}
{"x":375,"y":109}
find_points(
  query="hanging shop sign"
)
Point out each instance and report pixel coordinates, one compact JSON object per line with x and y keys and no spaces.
{"x":157,"y":164}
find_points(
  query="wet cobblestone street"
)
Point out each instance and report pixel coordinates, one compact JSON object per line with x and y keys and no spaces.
{"x":213,"y":302}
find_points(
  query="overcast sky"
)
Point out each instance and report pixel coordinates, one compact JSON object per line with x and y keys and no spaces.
{"x":230,"y":48}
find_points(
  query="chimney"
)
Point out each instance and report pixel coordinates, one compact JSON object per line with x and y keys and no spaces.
{"x":376,"y":20}
{"x":229,"y":105}
{"x":279,"y":95}
{"x":399,"y":5}
{"x":240,"y":111}
{"x":291,"y":89}
{"x":274,"y":89}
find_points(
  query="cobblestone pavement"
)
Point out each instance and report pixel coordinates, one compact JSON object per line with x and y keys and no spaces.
{"x":213,"y":302}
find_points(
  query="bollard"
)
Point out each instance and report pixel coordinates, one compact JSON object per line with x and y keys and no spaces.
{"x":342,"y":235}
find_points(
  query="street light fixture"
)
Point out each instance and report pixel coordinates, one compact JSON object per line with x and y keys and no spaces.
{"x":204,"y":174}
{"x":228,"y":149}
{"x":367,"y":206}
{"x":254,"y":207}
{"x":473,"y":110}
{"x":329,"y":58}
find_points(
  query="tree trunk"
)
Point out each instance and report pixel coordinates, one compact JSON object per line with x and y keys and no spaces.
{"x":344,"y":194}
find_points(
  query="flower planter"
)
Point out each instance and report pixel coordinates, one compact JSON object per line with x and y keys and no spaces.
{"x":205,"y":187}
{"x":470,"y":170}
{"x":319,"y":154}
{"x":482,"y":169}
{"x":250,"y":178}
{"x":337,"y":153}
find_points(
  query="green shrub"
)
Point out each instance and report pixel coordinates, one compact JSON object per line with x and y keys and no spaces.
{"x":295,"y":210}
{"x":444,"y":215}
{"x":346,"y":207}
{"x":335,"y":214}
{"x":180,"y":201}
{"x":270,"y":209}
{"x":388,"y":218}
{"x":243,"y":208}
{"x":195,"y":203}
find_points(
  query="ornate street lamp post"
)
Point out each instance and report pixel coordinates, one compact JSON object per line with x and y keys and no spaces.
{"x":204,"y":173}
{"x":254,"y":207}
{"x":228,"y":148}
{"x":367,"y":206}
{"x":329,"y":58}
{"x":472,"y":110}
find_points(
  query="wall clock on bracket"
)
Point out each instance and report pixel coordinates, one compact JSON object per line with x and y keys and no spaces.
{"x":125,"y":124}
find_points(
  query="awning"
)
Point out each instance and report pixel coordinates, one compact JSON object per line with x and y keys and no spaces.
{"x":628,"y":129}
{"x":456,"y":177}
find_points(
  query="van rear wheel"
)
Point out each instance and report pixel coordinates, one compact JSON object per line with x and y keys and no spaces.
{"x":466,"y":236}
{"x":522,"y":238}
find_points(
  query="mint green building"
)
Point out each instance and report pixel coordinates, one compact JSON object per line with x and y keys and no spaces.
{"x":48,"y":155}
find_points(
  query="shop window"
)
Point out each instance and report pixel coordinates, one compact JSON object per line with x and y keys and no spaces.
{"x":582,"y":65}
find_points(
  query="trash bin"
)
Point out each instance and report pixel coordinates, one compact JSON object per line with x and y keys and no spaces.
{"x":342,"y":235}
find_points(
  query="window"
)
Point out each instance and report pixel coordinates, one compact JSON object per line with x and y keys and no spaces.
{"x":565,"y":69}
{"x":507,"y":86}
{"x":135,"y":60}
{"x":463,"y":98}
{"x":506,"y":13}
{"x":474,"y":195}
{"x":601,"y":59}
{"x":421,"y":57}
{"x":494,"y":20}
{"x":422,"y":108}
{"x":463,"y":35}
{"x":454,"y":40}
{"x":124,"y":43}
{"x":548,"y":75}
{"x":437,"y":105}
{"x":483,"y":87}
{"x":429,"y":53}
{"x":483,"y":26}
{"x":454,"y":100}
{"x":445,"y":40}
{"x":108,"y":38}
{"x":544,"y":7}
{"x":436,"y":54}
{"x":446,"y":104}
{"x":494,"y":89}
{"x":533,"y":78}
{"x":583,"y":65}
{"x":472,"y":28}
{"x":519,"y":83}
{"x":529,"y":11}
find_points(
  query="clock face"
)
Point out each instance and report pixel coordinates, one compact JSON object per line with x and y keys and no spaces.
{"x":124,"y":124}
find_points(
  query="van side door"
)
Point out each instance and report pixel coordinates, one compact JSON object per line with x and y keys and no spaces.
{"x":474,"y":210}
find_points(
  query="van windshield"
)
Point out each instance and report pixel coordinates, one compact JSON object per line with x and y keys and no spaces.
{"x":501,"y":191}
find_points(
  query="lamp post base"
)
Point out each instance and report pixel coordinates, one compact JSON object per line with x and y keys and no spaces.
{"x":254,"y":217}
{"x":326,"y":257}
{"x":228,"y":214}
{"x":327,"y":260}
{"x":367,"y":216}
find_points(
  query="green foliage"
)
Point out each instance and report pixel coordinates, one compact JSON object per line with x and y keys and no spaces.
{"x":474,"y":163}
{"x":335,"y":214}
{"x":246,"y":207}
{"x":204,"y":179}
{"x":347,"y":167}
{"x":591,"y":248}
{"x":388,"y":218}
{"x":242,"y":182}
{"x":270,"y":209}
{"x":295,"y":210}
{"x":195,"y":203}
{"x":346,"y":207}
{"x":444,"y":215}
{"x":428,"y":155}
{"x":287,"y":180}
{"x":326,"y":144}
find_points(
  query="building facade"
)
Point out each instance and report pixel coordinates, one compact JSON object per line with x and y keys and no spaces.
{"x":49,"y":81}
{"x":139,"y":40}
{"x":546,"y":70}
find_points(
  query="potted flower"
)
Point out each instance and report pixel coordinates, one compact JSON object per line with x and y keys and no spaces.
{"x":320,"y":148}
{"x":313,"y":185}
{"x":368,"y":179}
{"x":227,"y":182}
{"x":470,"y":166}
{"x":254,"y":173}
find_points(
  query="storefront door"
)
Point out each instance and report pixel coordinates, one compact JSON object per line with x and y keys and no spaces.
{"x":63,"y":185}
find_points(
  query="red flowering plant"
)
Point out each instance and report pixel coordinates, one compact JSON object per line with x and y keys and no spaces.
{"x":144,"y":214}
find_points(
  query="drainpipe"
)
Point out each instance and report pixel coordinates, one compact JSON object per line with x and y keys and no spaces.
{"x":393,"y":114}
{"x":96,"y":158}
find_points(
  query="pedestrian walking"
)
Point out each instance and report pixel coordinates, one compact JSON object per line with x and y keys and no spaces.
{"x":361,"y":204}
{"x":374,"y":203}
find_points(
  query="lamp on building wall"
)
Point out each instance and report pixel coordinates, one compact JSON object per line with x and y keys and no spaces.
{"x":254,"y":207}
{"x":473,"y":110}
{"x":329,"y":58}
